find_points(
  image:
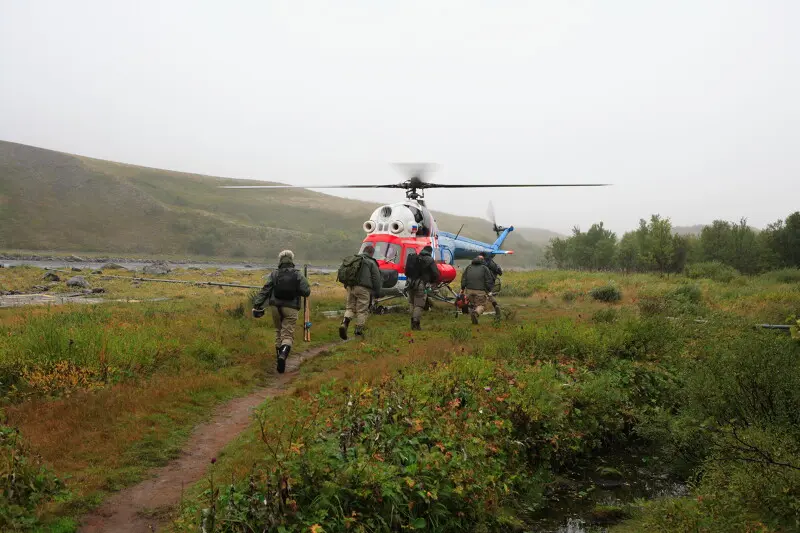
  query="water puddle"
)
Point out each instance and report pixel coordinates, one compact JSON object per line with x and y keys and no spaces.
{"x":599,"y":493}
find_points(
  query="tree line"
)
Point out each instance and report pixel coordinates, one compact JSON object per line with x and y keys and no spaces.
{"x":655,"y":247}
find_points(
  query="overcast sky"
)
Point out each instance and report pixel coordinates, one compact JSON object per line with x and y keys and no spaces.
{"x":690,"y":108}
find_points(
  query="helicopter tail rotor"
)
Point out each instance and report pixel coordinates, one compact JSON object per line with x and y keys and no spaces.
{"x":493,"y":219}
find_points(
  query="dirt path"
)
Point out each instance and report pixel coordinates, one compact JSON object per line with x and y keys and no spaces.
{"x":136,"y":509}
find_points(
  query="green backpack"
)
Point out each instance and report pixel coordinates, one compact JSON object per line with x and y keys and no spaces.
{"x":349,"y":273}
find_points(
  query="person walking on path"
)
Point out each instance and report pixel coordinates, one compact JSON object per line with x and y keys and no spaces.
{"x":362,"y":279}
{"x":477,"y":281}
{"x":282,"y":292}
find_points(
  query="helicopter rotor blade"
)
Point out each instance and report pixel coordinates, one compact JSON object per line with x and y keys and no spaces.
{"x":416,"y":171}
{"x":418,"y":183}
{"x":490,"y":214}
{"x":507,"y":185}
{"x":389,"y":186}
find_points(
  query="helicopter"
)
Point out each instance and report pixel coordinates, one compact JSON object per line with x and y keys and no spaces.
{"x":396,"y":230}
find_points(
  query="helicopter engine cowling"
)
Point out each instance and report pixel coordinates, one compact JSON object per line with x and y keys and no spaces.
{"x":447,"y":273}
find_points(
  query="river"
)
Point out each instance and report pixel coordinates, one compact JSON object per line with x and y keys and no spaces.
{"x":137,"y":266}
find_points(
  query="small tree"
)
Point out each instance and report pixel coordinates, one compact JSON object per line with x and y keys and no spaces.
{"x":661,"y":242}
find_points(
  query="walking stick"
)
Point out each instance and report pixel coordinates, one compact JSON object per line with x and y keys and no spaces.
{"x":306,"y":312}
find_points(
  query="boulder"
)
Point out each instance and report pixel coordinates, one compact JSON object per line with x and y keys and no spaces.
{"x":78,"y":281}
{"x":113,"y":266}
{"x":76,"y":269}
{"x":98,"y":290}
{"x":74,"y":259}
{"x":158,"y":268}
{"x":51,"y":276}
{"x":97,"y":271}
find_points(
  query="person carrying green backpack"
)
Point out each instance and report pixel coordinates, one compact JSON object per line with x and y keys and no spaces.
{"x":361,"y":277}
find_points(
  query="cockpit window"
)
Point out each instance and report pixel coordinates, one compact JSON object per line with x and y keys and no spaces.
{"x":384,"y":251}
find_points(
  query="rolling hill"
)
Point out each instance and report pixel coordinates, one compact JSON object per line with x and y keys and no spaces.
{"x":688,"y":230}
{"x":57,"y":202}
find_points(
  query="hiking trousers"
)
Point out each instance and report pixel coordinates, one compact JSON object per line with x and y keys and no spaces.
{"x":477,"y":300}
{"x":357,"y":304}
{"x":492,"y":299}
{"x":284,"y":319}
{"x":417,"y":299}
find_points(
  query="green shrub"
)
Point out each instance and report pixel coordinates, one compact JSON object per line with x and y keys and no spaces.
{"x":209,"y":353}
{"x":647,"y":339}
{"x":688,"y":293}
{"x":787,"y":275}
{"x":24,"y":483}
{"x":571,"y":295}
{"x":753,"y":378}
{"x":606,"y":293}
{"x":652,"y":305}
{"x":712,"y":270}
{"x":686,"y":300}
{"x":608,"y":316}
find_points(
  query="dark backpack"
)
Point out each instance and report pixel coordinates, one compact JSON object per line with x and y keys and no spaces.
{"x":413,"y":266}
{"x":349,"y":273}
{"x":286,"y":284}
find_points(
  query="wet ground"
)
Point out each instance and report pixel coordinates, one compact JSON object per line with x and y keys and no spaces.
{"x":20,"y":300}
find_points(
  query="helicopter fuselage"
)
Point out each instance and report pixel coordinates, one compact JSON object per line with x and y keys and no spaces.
{"x":395,"y":230}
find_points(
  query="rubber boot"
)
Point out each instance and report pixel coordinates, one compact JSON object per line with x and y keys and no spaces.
{"x":415,"y":325}
{"x":498,"y":314}
{"x":474,"y":316}
{"x":283,"y":354}
{"x":359,"y":331}
{"x":343,"y":329}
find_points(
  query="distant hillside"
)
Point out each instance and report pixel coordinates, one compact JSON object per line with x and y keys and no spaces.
{"x":688,"y":230}
{"x":52,"y":201}
{"x":537,"y":235}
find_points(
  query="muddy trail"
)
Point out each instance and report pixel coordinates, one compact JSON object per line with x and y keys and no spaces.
{"x":143,"y":507}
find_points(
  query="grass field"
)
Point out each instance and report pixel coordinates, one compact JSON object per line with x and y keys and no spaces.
{"x":560,"y":410}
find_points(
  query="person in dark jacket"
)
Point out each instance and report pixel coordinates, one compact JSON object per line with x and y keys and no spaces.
{"x":496,"y":271}
{"x":358,"y":297}
{"x":282,"y":292}
{"x":477,"y":281}
{"x":417,"y":286}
